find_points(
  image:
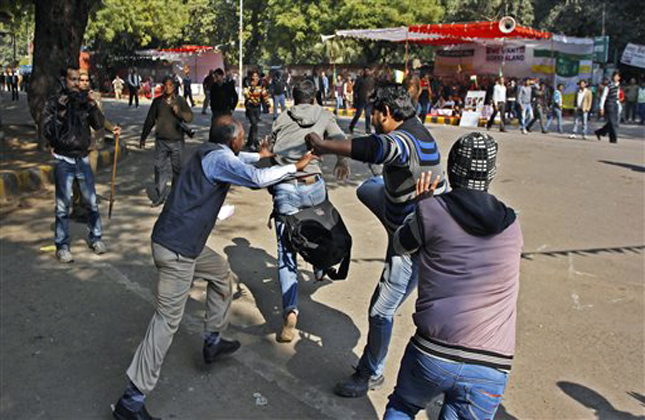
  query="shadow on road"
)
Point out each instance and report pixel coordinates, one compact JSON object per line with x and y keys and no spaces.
{"x":326,"y":336}
{"x":635,"y":168}
{"x":603,"y":410}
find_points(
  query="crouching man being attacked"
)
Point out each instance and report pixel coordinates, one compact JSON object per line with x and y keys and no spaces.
{"x":181,"y":255}
{"x":469,"y":246}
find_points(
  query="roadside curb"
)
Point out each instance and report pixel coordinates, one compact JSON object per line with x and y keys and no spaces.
{"x":13,"y":183}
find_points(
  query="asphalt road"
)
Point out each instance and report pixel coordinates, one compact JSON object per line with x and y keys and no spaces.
{"x":68,"y":332}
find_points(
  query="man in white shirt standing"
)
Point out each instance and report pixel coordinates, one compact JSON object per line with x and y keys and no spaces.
{"x":583,"y":106}
{"x":499,"y":104}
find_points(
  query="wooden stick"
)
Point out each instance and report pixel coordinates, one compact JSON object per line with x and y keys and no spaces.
{"x":113,"y":182}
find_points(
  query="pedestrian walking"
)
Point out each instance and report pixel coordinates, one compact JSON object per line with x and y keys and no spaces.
{"x":181,"y":255}
{"x":305,"y":189}
{"x":469,"y":246}
{"x":65,"y":123}
{"x":499,"y":105}
{"x":188,"y":90}
{"x":254,"y":96}
{"x":339,"y":93}
{"x":405,"y":148}
{"x":425,"y":96}
{"x":641,"y":101}
{"x":223,"y":95}
{"x":207,"y":83}
{"x":631,"y":101}
{"x":556,"y":109}
{"x":512,"y":106}
{"x":583,"y":103}
{"x":524,"y":101}
{"x":134,"y":84}
{"x":539,"y":96}
{"x":609,"y":108}
{"x":363,"y":89}
{"x":117,"y":85}
{"x":278,"y":90}
{"x":14,"y":85}
{"x":167,"y":114}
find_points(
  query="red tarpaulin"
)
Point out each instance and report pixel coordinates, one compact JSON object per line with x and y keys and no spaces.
{"x":188,"y":49}
{"x":474,"y":30}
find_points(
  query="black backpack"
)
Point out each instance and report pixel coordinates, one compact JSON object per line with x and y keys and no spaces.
{"x":319,"y":235}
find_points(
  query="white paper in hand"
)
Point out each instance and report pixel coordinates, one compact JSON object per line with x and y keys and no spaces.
{"x":225,"y":212}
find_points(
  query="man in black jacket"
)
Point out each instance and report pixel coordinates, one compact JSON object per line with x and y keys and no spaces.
{"x":167,"y":112}
{"x":223,"y":96}
{"x":65,"y":123}
{"x":362,"y":90}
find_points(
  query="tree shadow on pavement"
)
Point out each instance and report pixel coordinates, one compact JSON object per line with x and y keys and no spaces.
{"x":325,"y":336}
{"x":602,"y":408}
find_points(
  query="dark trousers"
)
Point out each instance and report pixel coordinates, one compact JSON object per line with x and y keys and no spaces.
{"x":360,"y":108}
{"x":168,"y":155}
{"x":611,"y":116}
{"x":14,"y":92}
{"x":253,"y":113}
{"x":539,"y":115}
{"x":501,"y":108}
{"x":424,"y":102}
{"x":189,"y":95}
{"x":134,"y":93}
{"x":630,"y":111}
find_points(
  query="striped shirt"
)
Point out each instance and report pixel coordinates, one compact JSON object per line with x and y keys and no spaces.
{"x":404,"y":153}
{"x":255,"y":95}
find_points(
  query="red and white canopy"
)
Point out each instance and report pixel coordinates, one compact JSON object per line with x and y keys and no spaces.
{"x":445,"y":34}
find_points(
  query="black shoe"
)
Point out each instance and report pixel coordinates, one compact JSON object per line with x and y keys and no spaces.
{"x":222,"y":348}
{"x":597,"y":135}
{"x":122,"y":413}
{"x":358,"y":384}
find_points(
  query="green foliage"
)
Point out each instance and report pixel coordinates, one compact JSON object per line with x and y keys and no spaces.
{"x":624,"y":19}
{"x":122,"y":26}
{"x":296,"y":27}
{"x":481,"y":10}
{"x":15,"y":18}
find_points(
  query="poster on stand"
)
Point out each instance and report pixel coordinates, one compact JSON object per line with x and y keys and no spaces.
{"x":470,"y":119}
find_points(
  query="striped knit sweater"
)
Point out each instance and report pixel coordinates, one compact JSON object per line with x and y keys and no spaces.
{"x":405,"y":153}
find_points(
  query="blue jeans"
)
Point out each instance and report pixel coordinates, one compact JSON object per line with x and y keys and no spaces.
{"x":527,"y":115}
{"x":289,"y":198}
{"x":398,"y":279}
{"x":278,"y":100}
{"x":64,"y":174}
{"x":580,"y":115}
{"x":471,"y":391}
{"x":557,"y":113}
{"x":339,"y":103}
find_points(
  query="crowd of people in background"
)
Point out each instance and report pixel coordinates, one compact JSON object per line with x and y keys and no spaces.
{"x":11,"y":80}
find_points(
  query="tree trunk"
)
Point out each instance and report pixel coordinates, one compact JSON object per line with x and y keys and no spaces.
{"x":60,"y":26}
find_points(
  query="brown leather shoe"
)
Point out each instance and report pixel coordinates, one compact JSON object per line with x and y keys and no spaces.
{"x":289,"y":328}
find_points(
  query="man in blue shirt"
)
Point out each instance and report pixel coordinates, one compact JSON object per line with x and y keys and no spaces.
{"x":556,"y":109}
{"x":181,"y":255}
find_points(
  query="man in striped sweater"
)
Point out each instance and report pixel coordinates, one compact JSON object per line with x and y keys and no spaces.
{"x":469,"y":246}
{"x":609,"y":109}
{"x":405,"y":148}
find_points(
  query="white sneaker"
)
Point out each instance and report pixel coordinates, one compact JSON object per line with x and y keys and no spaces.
{"x":573,"y":136}
{"x":63,"y":255}
{"x":524,"y":131}
{"x":584,"y":137}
